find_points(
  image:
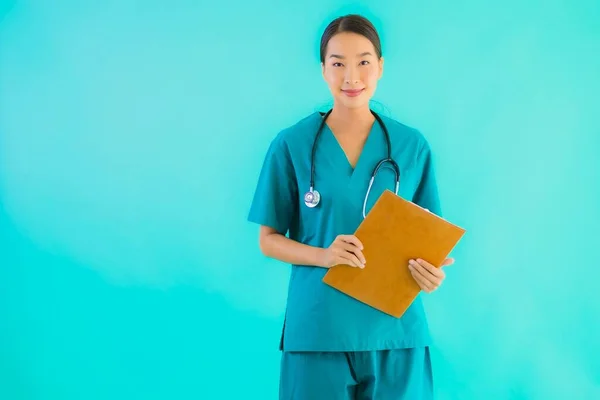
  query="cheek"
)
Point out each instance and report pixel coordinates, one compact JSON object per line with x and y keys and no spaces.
{"x":334,"y":79}
{"x":370,"y":76}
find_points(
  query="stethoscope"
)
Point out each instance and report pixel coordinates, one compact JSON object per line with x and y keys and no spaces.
{"x":312,"y":198}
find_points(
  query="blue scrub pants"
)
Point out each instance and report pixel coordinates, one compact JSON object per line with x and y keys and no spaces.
{"x":400,"y":374}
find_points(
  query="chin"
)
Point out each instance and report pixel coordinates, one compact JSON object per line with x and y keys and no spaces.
{"x":353,"y":103}
{"x":357,"y":102}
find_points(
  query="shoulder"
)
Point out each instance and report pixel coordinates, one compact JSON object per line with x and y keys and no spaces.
{"x":293,"y":141}
{"x":297,"y":137}
{"x":408,"y":139}
{"x":303,"y":129}
{"x":403,"y":132}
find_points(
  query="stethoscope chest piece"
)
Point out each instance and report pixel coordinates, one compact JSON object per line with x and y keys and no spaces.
{"x":312,"y":198}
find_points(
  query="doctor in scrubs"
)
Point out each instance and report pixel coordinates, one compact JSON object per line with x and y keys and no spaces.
{"x":333,"y":346}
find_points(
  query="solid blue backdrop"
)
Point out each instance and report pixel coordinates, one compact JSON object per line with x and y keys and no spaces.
{"x":131,"y":137}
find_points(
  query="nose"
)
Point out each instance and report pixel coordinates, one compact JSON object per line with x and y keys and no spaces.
{"x":351,"y":76}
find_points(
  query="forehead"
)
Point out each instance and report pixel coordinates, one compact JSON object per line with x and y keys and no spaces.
{"x":349,"y":44}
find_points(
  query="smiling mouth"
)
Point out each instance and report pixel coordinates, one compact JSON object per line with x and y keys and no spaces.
{"x":352,"y":92}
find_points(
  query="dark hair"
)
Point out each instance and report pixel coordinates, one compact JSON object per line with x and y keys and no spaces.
{"x":350,"y":23}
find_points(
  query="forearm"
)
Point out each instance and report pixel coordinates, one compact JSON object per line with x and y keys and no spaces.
{"x":289,"y":251}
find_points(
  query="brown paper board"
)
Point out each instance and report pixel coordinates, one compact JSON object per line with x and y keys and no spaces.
{"x":395,"y":231}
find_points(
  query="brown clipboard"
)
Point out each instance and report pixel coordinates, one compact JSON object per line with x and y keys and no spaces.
{"x":395,"y":231}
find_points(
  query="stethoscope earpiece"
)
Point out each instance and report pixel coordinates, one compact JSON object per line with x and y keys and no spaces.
{"x":312,"y":198}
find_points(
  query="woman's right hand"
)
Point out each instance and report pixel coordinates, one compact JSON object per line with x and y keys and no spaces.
{"x":345,"y":249}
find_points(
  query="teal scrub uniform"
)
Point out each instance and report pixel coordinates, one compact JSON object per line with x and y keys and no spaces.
{"x":333,"y":344}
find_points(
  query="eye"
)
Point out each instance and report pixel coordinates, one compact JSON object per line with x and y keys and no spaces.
{"x":364,"y":62}
{"x":337,"y":64}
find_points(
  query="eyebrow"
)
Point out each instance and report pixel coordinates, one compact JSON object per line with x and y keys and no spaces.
{"x":366,"y":53}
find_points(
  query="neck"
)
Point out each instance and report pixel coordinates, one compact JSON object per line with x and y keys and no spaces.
{"x":351,"y":116}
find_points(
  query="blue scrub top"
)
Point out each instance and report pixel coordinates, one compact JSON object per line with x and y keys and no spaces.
{"x":319,"y":317}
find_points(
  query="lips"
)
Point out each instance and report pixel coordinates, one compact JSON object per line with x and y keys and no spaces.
{"x":352,"y":92}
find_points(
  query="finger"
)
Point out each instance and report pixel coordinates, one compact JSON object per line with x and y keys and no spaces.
{"x":429,"y":271}
{"x":431,"y":280}
{"x":431,"y":268}
{"x":428,"y":266}
{"x":448,"y":261}
{"x":347,"y":257}
{"x":423,"y":283}
{"x":354,"y":250}
{"x":350,"y":259}
{"x":353,"y":240}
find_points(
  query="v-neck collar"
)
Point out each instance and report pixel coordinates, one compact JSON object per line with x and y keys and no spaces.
{"x":341,"y":154}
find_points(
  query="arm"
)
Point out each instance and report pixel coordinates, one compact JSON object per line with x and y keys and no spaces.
{"x":345,"y":249}
{"x":277,"y":246}
{"x":427,"y":195}
{"x":274,"y":207}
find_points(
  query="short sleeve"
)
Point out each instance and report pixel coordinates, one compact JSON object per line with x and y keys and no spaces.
{"x":275,"y":197}
{"x":427,"y":195}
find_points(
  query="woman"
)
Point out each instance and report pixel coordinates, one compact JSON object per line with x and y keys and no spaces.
{"x":335,"y":347}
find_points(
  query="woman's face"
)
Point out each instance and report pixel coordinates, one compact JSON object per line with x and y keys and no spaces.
{"x":351,"y":69}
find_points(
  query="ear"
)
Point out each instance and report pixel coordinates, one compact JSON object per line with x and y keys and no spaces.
{"x":323,"y":69}
{"x":380,"y":67}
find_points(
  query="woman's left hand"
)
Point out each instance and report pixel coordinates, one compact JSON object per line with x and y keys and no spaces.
{"x":426,"y":275}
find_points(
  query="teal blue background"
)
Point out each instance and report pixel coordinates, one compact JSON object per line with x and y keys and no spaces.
{"x":131,"y":137}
